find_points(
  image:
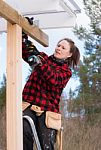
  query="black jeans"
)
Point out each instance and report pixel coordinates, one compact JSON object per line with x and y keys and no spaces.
{"x":47,"y":137}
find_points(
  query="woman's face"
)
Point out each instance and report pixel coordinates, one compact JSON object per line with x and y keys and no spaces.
{"x":62,"y":50}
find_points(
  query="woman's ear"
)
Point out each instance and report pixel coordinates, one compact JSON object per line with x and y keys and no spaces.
{"x":69,"y":55}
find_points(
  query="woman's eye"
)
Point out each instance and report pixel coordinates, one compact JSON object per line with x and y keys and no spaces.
{"x":58,"y":45}
{"x":63,"y":47}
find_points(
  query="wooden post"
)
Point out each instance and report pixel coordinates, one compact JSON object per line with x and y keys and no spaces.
{"x":14,"y":95}
{"x":16,"y":23}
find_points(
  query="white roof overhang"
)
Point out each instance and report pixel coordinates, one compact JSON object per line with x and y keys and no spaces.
{"x":47,"y":13}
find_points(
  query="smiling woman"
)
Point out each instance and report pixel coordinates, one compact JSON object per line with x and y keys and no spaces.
{"x":62,"y":50}
{"x":67,"y":51}
{"x":44,"y":87}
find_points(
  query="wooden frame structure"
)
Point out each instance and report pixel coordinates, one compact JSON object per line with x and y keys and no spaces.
{"x":14,"y":47}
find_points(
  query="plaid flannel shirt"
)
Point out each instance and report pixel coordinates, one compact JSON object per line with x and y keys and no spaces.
{"x":46,"y":82}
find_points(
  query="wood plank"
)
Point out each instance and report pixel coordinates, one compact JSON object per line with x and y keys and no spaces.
{"x":14,"y":94}
{"x":14,"y":17}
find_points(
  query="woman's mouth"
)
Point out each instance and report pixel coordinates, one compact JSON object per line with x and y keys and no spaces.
{"x":57,"y":52}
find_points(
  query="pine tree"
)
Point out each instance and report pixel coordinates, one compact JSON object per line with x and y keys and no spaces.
{"x":3,"y":92}
{"x":89,"y":92}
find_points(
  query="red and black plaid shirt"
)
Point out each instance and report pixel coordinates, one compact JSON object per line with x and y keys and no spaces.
{"x":46,"y":82}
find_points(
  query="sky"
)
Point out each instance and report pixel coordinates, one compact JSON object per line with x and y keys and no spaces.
{"x":54,"y":36}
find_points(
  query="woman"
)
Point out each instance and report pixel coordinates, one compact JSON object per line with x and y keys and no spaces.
{"x":44,"y":87}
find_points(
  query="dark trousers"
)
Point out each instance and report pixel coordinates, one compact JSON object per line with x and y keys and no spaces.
{"x":47,"y":137}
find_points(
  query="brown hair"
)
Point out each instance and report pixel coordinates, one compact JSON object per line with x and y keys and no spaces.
{"x":74,"y":59}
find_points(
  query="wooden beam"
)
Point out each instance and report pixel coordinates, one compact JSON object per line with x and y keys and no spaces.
{"x":14,"y":17}
{"x":14,"y":94}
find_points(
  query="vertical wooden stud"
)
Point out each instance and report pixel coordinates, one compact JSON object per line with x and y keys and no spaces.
{"x":14,"y":95}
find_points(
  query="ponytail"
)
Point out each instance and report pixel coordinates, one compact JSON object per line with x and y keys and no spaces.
{"x":75,"y":56}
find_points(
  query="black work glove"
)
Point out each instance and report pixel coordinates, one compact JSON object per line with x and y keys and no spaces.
{"x":32,"y":50}
{"x":24,"y":35}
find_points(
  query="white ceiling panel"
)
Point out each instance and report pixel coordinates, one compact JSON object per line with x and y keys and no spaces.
{"x":47,"y":13}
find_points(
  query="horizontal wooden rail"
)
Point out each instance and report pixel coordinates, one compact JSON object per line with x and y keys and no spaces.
{"x":12,"y":16}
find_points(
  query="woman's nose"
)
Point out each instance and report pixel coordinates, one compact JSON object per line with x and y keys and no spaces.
{"x":59,"y":48}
